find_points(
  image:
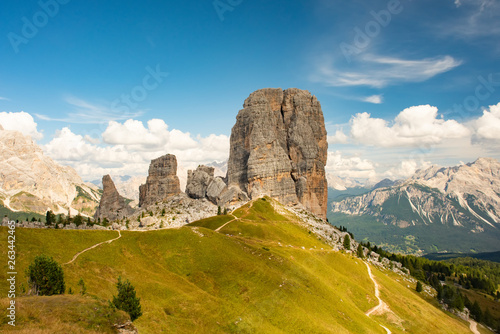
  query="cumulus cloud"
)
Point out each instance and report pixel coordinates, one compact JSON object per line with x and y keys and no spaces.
{"x":414,"y":126}
{"x":406,"y":169}
{"x":350,"y":167}
{"x":380,"y":71}
{"x":338,"y":138}
{"x":488,"y":125}
{"x":20,"y":121}
{"x":127,"y":148}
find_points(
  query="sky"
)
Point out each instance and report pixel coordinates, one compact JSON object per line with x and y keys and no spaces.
{"x":107,"y":86}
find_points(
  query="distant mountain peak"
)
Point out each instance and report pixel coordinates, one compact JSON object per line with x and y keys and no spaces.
{"x":31,"y":181}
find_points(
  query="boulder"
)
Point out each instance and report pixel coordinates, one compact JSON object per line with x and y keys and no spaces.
{"x":198,"y":181}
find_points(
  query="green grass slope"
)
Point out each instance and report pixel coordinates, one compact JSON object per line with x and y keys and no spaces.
{"x":63,"y":314}
{"x":261,"y":273}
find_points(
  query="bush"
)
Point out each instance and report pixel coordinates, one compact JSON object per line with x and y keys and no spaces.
{"x":127,"y":300}
{"x":46,"y":276}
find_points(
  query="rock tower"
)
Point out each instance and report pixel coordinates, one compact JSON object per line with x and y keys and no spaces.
{"x":279,"y":148}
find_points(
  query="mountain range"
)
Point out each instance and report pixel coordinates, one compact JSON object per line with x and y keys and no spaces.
{"x":462,"y":203}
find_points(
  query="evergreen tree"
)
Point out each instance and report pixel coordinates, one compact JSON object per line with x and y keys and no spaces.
{"x":347,"y":242}
{"x":360,"y":252}
{"x":476,"y":311}
{"x":50,"y":218}
{"x":419,"y":287}
{"x":127,"y":300}
{"x":225,"y":211}
{"x":83,"y":288}
{"x":78,"y":220}
{"x":218,"y":211}
{"x":46,"y":276}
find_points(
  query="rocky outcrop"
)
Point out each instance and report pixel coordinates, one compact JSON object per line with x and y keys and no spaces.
{"x":201,"y":183}
{"x":198,"y":181}
{"x":279,"y":148}
{"x":112,"y":206}
{"x":162,"y":181}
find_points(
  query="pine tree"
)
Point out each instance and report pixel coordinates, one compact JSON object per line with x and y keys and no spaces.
{"x":78,"y":220}
{"x":218,"y":211}
{"x":49,"y":218}
{"x":83,"y":288}
{"x":127,"y":300}
{"x":476,"y":311}
{"x":419,"y":287}
{"x":347,"y":242}
{"x":360,"y":252}
{"x":46,"y":276}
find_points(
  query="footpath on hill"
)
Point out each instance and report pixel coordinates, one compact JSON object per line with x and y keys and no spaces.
{"x":381,"y":307}
{"x":92,"y":247}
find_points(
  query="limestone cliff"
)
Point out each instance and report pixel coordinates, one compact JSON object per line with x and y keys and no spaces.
{"x":112,"y":206}
{"x":30,"y":181}
{"x":279,"y":148}
{"x":162,"y":181}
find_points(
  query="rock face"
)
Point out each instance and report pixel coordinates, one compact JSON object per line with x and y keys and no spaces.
{"x":279,"y":148}
{"x":112,"y":206}
{"x":30,"y":181}
{"x":198,"y":181}
{"x":162,"y":181}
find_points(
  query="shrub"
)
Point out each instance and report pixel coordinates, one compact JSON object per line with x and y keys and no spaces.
{"x":46,"y":276}
{"x":127,"y":300}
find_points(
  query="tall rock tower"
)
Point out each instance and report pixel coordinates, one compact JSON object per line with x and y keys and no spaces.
{"x":112,"y":206}
{"x":279,"y":148}
{"x":162,"y":181}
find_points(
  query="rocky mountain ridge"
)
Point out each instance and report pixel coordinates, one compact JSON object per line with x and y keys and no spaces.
{"x":466,"y":196}
{"x":31,"y":181}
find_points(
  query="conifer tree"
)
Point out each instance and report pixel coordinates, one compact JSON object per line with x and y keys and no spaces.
{"x":127,"y":300}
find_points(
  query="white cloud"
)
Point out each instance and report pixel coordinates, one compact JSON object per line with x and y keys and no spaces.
{"x":20,"y":121}
{"x":350,"y":167}
{"x":375,"y":99}
{"x":379,"y":71}
{"x":338,"y":138}
{"x":488,"y":125}
{"x":127,"y":148}
{"x":414,"y":126}
{"x":4,"y":98}
{"x":406,"y":169}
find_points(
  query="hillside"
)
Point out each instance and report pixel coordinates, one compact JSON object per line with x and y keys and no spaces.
{"x":454,"y":209}
{"x":258,"y":270}
{"x":32,"y":182}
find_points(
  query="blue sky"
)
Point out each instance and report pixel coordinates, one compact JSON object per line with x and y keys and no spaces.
{"x":85,"y":64}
